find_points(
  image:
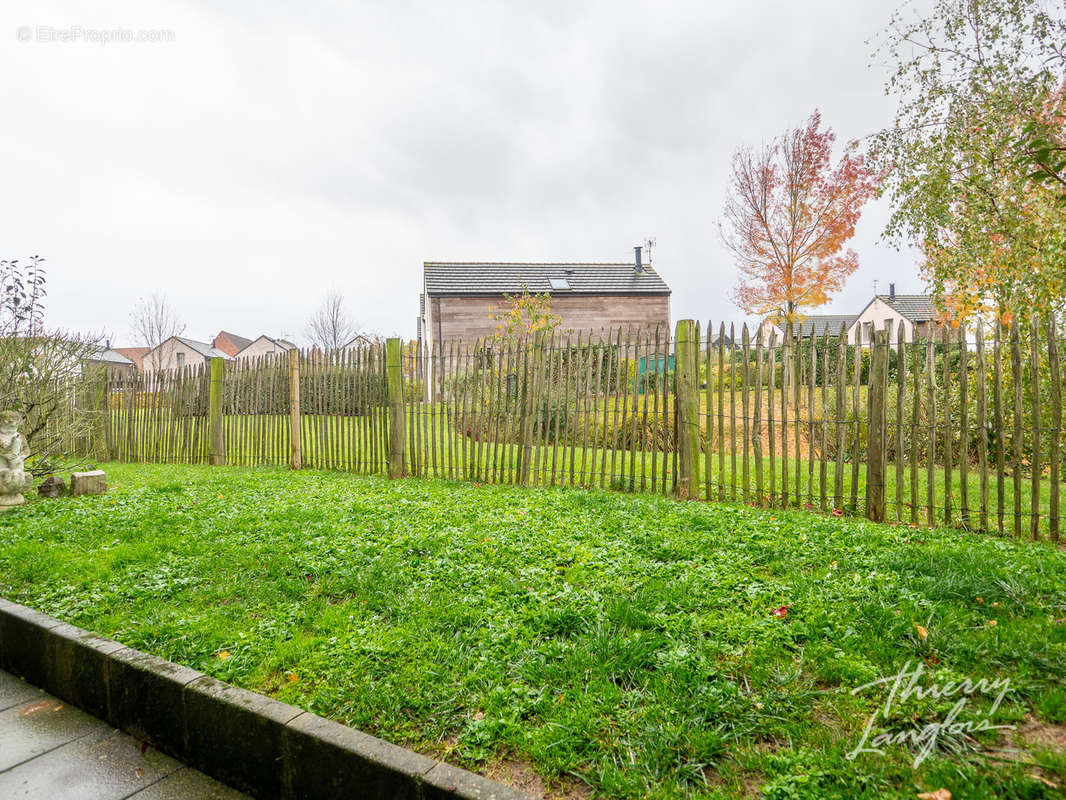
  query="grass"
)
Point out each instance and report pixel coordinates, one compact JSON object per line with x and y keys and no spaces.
{"x":623,"y":646}
{"x":338,"y":442}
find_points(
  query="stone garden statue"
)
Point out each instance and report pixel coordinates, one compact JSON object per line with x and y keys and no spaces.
{"x":14,"y":479}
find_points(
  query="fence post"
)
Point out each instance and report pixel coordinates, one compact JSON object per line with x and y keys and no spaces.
{"x":875,"y":429}
{"x":394,"y":389}
{"x":688,"y":430}
{"x":217,"y":441}
{"x":529,"y":401}
{"x":101,"y":425}
{"x":295,"y":437}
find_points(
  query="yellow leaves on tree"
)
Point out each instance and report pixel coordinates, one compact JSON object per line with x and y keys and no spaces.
{"x":525,"y":314}
{"x":789,"y":214}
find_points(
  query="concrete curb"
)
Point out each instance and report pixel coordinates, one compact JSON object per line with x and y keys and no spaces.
{"x":256,"y":744}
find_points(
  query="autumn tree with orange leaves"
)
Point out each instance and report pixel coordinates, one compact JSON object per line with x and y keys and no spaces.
{"x":788,"y":217}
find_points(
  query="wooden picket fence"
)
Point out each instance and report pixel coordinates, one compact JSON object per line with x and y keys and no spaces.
{"x":948,"y":430}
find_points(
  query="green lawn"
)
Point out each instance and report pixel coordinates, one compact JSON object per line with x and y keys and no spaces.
{"x":620,"y":645}
{"x":358,"y":444}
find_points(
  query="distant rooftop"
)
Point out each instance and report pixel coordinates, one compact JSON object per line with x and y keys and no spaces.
{"x":134,"y":354}
{"x":915,"y":307}
{"x":239,"y":342}
{"x":495,"y":278}
{"x":203,"y":348}
{"x":106,"y":355}
{"x":818,"y":324}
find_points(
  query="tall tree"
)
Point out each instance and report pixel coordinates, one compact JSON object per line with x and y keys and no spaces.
{"x":330,"y":327}
{"x":155,"y":321}
{"x":978,"y":85}
{"x":788,"y":216}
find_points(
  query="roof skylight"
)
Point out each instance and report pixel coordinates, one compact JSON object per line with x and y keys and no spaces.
{"x":559,"y":284}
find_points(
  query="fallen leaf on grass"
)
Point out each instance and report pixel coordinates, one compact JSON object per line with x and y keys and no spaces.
{"x":922,"y":631}
{"x":291,"y":677}
{"x":222,"y":655}
{"x":939,"y":794}
{"x":781,"y":612}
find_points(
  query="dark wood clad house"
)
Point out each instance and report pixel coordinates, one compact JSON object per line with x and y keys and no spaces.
{"x":459,"y":298}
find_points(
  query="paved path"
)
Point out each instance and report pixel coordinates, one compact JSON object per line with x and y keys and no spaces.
{"x":50,"y":750}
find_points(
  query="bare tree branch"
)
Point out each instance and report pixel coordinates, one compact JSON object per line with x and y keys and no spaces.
{"x":155,"y":321}
{"x":330,"y":327}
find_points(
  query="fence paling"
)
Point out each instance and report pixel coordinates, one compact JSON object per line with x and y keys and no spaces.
{"x":1035,"y":463}
{"x":519,"y":410}
{"x":1056,"y":430}
{"x":1016,"y":370}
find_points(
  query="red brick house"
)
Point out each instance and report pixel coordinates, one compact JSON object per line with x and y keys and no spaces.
{"x":230,"y":343}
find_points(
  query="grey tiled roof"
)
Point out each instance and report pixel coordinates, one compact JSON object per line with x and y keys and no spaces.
{"x":915,"y":307}
{"x":818,"y":323}
{"x":203,"y":348}
{"x":468,"y":278}
{"x":109,"y":356}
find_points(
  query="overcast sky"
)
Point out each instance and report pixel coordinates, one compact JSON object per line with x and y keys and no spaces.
{"x":272,"y":151}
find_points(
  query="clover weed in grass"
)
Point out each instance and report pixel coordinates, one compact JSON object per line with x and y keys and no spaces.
{"x":626,"y":643}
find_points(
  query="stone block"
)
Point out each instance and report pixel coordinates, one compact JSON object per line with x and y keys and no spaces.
{"x":23,"y":641}
{"x":235,"y":735}
{"x":146,"y":698}
{"x":94,"y":482}
{"x":325,"y":759}
{"x":445,"y":782}
{"x":52,"y":487}
{"x":77,"y":667}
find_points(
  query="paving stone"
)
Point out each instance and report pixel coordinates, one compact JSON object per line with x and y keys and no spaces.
{"x":37,"y":726}
{"x":14,"y":691}
{"x":105,"y":765}
{"x":188,"y":784}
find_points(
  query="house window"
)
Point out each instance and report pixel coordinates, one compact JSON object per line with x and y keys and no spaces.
{"x":559,"y":284}
{"x":867,"y":329}
{"x":181,"y":359}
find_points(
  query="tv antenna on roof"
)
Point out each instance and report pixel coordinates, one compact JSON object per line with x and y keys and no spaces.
{"x":648,"y":245}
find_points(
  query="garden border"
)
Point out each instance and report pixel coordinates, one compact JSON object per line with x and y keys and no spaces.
{"x":252,"y":742}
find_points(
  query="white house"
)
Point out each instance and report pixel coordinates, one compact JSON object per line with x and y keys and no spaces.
{"x":265,"y":346}
{"x":914,"y":313}
{"x":177,"y":352}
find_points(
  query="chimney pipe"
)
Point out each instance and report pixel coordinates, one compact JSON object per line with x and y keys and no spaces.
{"x":892,"y":291}
{"x":637,"y":266}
